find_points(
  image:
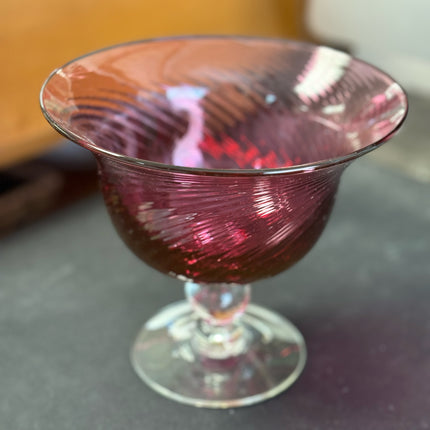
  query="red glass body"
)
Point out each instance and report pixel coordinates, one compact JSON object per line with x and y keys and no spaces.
{"x":218,"y":228}
{"x":220,"y":157}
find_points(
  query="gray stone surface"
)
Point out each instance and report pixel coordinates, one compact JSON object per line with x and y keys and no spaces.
{"x":72,"y":298}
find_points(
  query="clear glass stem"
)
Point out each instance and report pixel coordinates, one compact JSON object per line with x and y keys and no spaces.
{"x":219,"y":334}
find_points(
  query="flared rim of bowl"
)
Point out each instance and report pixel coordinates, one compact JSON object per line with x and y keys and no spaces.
{"x":298,"y":168}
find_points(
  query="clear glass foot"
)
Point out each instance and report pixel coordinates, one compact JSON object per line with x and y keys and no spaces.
{"x":193,"y":361}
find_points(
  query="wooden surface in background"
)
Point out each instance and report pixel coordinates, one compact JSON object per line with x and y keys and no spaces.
{"x":38,"y":36}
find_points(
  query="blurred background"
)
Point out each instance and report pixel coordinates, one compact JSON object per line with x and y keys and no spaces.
{"x":39,"y":172}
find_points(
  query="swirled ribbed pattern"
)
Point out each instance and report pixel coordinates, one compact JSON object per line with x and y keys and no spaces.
{"x":218,"y":229}
{"x":222,"y":106}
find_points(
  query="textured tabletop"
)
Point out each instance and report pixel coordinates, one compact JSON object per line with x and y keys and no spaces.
{"x":72,"y":299}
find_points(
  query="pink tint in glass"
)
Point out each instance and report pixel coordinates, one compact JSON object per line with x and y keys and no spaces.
{"x":219,"y":160}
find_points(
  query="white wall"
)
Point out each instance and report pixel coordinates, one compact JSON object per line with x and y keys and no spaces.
{"x":392,"y":34}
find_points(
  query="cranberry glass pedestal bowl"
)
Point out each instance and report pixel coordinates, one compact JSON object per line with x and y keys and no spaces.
{"x":219,"y":159}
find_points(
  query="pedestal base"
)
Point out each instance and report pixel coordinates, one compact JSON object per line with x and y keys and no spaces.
{"x":163,"y":356}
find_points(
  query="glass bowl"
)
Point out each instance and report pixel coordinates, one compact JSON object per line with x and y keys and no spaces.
{"x":219,"y":159}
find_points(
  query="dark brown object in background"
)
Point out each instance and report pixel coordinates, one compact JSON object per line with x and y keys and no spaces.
{"x":34,"y":189}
